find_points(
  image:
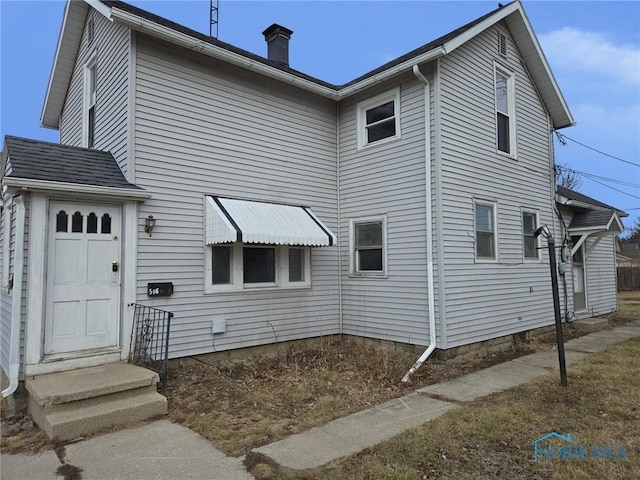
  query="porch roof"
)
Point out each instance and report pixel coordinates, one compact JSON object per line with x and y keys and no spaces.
{"x":31,"y":163}
{"x":231,"y":220}
{"x":596,"y":221}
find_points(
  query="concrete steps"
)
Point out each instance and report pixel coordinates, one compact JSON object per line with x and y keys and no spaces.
{"x":68,"y":405}
{"x":590,"y":325}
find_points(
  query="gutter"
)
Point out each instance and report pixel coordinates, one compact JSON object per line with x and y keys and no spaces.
{"x":16,"y":310}
{"x":165,"y":33}
{"x":29,"y":184}
{"x":430,"y":279}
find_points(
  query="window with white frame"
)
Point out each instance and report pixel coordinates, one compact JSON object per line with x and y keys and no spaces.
{"x":505,"y":112}
{"x":485,"y":229}
{"x":530,"y":243}
{"x":239,"y":266}
{"x":379,"y":118}
{"x":368,"y":246}
{"x":89,"y":104}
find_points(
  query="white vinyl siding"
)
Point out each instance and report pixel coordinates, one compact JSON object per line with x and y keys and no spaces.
{"x":6,"y":296}
{"x":206,"y":128}
{"x":487,"y":300}
{"x":601,"y":276}
{"x":110,"y":51}
{"x":387,"y":179}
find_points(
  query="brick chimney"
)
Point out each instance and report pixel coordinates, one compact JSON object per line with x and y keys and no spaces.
{"x":277,"y":38}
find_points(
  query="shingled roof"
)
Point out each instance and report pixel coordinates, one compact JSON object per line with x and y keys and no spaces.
{"x":52,"y":162}
{"x":591,"y":213}
{"x":156,"y":26}
{"x":579,"y":197}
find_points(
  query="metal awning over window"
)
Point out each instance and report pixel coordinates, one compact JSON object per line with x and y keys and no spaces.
{"x":230,"y":220}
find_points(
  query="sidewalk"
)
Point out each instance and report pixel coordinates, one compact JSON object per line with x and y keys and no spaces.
{"x":163,"y":450}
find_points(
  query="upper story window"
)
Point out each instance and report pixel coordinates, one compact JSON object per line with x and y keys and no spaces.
{"x":379,"y":118}
{"x":529,"y":226}
{"x":89,"y":104}
{"x":485,"y":230}
{"x":368,"y":252}
{"x":505,"y":112}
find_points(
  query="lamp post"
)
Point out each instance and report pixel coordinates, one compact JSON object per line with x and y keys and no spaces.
{"x":544,"y":231}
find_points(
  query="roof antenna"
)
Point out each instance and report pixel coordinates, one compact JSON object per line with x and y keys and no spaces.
{"x":214,"y":7}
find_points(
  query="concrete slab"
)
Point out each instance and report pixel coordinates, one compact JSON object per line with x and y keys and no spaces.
{"x":353,"y":433}
{"x":549,"y":359}
{"x":599,"y":341}
{"x":161,"y":450}
{"x":27,"y":467}
{"x":485,"y":382}
{"x":387,"y":420}
{"x":309,"y":449}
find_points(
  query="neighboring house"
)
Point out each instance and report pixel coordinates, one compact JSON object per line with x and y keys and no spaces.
{"x":589,"y":228}
{"x":623,"y":261}
{"x":400,"y":206}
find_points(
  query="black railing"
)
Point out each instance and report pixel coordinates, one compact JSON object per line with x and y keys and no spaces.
{"x":150,"y":339}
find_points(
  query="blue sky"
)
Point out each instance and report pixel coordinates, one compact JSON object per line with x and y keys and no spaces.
{"x":593,"y":49}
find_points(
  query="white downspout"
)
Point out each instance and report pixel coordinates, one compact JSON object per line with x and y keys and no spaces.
{"x":430,"y":281}
{"x":339,"y":211}
{"x":16,"y":314}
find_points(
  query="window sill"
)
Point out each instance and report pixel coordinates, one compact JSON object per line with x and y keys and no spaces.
{"x":487,"y":260}
{"x":532,"y":260}
{"x":209,"y":290}
{"x":369,"y":275}
{"x":384,"y":141}
{"x":512,"y":156}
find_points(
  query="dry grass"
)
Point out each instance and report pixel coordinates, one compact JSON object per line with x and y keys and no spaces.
{"x":490,"y":438}
{"x":628,"y":305}
{"x":240,"y":406}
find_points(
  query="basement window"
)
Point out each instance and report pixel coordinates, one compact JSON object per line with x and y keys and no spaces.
{"x":379,"y":118}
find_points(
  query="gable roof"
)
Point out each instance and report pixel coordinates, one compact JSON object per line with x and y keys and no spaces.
{"x":591,"y":215}
{"x":154,"y":25}
{"x":30,"y":162}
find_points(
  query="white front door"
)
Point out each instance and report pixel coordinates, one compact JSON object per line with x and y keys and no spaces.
{"x":83,"y":277}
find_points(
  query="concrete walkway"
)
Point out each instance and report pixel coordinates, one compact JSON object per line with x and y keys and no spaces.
{"x":163,"y":450}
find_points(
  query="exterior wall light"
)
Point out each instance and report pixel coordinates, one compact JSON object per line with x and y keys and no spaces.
{"x":149,"y":223}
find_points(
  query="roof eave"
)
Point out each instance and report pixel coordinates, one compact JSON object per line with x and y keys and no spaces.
{"x":178,"y":38}
{"x":539,"y":68}
{"x":15,"y":184}
{"x":552,"y":97}
{"x":69,"y":37}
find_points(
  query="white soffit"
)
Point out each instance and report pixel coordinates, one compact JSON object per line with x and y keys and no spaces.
{"x":230,"y":220}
